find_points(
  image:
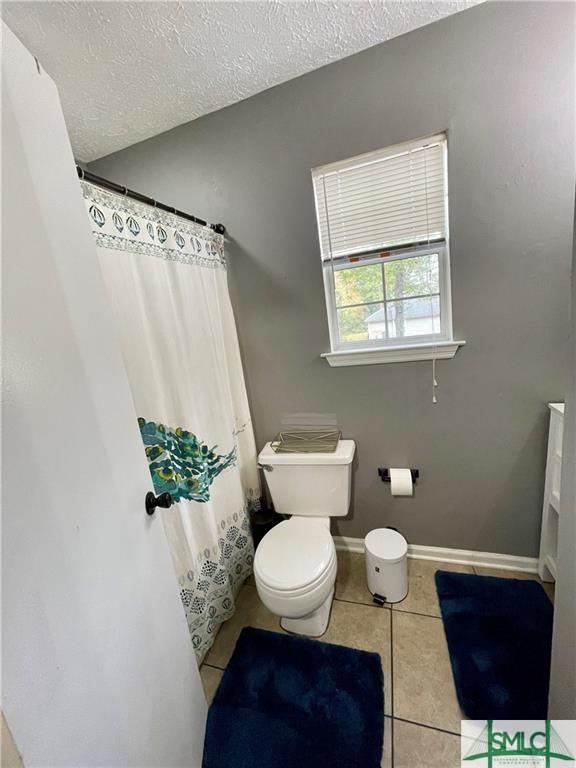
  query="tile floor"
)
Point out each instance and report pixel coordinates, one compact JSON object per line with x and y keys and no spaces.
{"x":422,"y":724}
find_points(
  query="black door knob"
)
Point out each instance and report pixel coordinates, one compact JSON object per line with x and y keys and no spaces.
{"x":151,"y":502}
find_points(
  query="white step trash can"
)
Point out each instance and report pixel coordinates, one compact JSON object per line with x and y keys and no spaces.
{"x":387,"y":564}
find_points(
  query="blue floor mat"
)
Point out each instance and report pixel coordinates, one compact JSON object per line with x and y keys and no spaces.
{"x":499,"y":634}
{"x":290,"y":702}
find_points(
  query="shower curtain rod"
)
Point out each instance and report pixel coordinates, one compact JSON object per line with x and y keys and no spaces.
{"x":113,"y":187}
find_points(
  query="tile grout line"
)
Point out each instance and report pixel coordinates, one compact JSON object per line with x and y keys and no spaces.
{"x":415,"y":613}
{"x":214,"y":666}
{"x":389,"y":607}
{"x":429,"y":727}
{"x":366,"y":605}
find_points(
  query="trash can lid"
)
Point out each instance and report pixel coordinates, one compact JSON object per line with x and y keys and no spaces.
{"x":386,"y":544}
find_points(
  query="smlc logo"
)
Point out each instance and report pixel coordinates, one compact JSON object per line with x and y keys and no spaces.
{"x":492,"y":743}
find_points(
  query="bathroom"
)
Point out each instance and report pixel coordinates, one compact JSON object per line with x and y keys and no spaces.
{"x":243,"y":114}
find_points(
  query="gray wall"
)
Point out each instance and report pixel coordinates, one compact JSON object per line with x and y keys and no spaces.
{"x":499,"y":79}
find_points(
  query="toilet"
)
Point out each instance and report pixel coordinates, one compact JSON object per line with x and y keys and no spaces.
{"x":295,"y":563}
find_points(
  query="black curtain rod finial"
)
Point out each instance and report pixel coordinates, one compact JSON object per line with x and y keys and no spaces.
{"x":220,"y":229}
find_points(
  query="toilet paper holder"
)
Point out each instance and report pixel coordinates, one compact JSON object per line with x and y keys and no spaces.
{"x":384,"y":474}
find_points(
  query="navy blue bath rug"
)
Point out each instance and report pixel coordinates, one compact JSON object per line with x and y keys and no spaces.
{"x":499,"y":634}
{"x":290,"y":702}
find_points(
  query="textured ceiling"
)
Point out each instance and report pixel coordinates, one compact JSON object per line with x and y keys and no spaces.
{"x":130,"y":70}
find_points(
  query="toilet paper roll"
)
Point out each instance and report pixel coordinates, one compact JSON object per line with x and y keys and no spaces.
{"x":401,"y":482}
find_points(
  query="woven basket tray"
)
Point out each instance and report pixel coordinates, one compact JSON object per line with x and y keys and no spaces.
{"x":306,"y":441}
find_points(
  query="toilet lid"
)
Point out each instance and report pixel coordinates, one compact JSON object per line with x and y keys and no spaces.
{"x":294,"y":554}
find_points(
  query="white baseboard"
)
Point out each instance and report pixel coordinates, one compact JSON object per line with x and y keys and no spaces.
{"x":348,"y":544}
{"x":457,"y":556}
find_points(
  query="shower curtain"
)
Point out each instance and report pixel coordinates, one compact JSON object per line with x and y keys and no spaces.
{"x":166,"y":280}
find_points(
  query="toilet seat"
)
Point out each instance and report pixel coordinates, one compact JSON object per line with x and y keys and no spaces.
{"x":295,"y":570}
{"x":295,"y":556}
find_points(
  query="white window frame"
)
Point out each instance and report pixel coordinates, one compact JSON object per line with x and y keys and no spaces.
{"x":445,"y":333}
{"x":399,"y":349}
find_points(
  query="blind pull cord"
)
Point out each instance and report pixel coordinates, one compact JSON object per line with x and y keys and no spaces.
{"x":434,"y":382}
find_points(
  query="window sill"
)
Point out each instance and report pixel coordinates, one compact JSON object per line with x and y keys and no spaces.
{"x":442,"y":350}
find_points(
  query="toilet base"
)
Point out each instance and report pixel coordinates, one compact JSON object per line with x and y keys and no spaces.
{"x":313,"y":624}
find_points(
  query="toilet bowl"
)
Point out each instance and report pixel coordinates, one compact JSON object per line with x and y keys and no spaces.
{"x":295,"y":572}
{"x":295,"y":563}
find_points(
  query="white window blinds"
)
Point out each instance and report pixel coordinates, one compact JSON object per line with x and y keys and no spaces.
{"x":382,"y":200}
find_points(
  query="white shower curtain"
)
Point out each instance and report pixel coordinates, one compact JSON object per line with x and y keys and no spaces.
{"x":166,"y":279}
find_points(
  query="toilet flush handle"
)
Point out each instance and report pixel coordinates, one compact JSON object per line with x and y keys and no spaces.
{"x":266,"y":467}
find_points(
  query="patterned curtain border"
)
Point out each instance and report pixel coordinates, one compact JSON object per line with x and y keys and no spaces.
{"x":124,"y":224}
{"x":208,"y":590}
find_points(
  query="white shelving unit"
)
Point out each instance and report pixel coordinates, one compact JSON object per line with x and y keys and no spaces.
{"x":551,"y":511}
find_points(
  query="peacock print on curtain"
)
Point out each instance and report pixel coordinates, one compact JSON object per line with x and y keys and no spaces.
{"x":166,"y":280}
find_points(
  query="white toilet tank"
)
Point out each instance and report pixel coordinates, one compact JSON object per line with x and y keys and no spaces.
{"x":310,"y":484}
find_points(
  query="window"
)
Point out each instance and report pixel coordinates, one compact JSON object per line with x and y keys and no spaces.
{"x":383,"y":229}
